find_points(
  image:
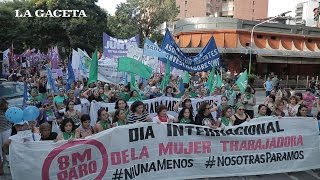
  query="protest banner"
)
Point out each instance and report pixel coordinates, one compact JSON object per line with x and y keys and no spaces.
{"x":151,"y":61}
{"x":174,"y":151}
{"x":5,"y":63}
{"x":107,"y":68}
{"x":114,"y":48}
{"x":207,"y":59}
{"x":152,"y":104}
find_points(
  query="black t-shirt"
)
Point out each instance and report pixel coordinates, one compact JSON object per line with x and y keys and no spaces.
{"x":200,"y":117}
{"x":91,"y":98}
{"x":52,"y":136}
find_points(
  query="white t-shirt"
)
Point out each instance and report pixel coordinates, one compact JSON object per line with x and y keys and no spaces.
{"x":20,"y":139}
{"x":156,"y":119}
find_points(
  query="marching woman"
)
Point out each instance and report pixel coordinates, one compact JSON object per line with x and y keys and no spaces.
{"x":103,"y":121}
{"x":240,"y":116}
{"x":204,"y":116}
{"x":139,"y":113}
{"x":162,"y":115}
{"x":249,"y":101}
{"x":69,"y":130}
{"x":262,"y":111}
{"x":225,"y":119}
{"x":72,"y":113}
{"x":85,"y":128}
{"x":302,"y":111}
{"x":186,"y":116}
{"x":293,"y":106}
{"x":119,"y":118}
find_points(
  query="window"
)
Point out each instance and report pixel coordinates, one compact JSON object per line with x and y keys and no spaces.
{"x":253,"y":3}
{"x":252,"y":10}
{"x":273,"y":37}
{"x":185,"y":2}
{"x":259,"y":36}
{"x":309,"y":40}
{"x":247,"y":44}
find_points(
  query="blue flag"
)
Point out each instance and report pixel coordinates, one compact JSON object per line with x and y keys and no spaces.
{"x":181,"y":85}
{"x":71,"y":76}
{"x":207,"y":59}
{"x":51,"y":81}
{"x":25,"y":96}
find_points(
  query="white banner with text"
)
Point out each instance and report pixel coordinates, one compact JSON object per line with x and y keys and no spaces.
{"x":174,"y":151}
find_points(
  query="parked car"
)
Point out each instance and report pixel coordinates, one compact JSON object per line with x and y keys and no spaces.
{"x":12,"y":92}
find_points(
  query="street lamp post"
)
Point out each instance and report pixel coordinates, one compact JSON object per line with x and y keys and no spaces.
{"x":251,"y":37}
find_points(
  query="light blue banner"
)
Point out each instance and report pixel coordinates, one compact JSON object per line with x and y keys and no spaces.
{"x":151,"y":49}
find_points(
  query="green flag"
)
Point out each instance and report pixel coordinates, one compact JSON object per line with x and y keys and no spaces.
{"x":166,"y":78}
{"x":186,"y":77}
{"x":133,"y":85}
{"x":210,"y":81}
{"x":217,"y":81}
{"x":131,"y":65}
{"x":242,"y":81}
{"x":93,"y":74}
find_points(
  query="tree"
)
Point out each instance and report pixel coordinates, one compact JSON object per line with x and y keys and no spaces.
{"x":143,"y":17}
{"x":41,"y":33}
{"x":152,"y":13}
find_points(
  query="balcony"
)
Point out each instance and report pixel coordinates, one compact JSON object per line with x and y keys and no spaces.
{"x":227,"y":13}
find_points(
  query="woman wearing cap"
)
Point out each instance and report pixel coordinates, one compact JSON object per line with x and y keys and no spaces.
{"x":5,"y":129}
{"x":240,"y":116}
{"x":28,"y":136}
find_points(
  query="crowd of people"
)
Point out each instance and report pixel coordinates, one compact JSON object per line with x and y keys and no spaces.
{"x":58,"y":109}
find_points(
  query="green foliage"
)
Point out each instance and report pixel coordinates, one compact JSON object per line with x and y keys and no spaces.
{"x":41,"y":33}
{"x":131,"y":18}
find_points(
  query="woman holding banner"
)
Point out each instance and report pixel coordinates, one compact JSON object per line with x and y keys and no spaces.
{"x":139,"y":113}
{"x":240,"y":116}
{"x":163,"y":116}
{"x":204,"y":116}
{"x":186,"y":116}
{"x":68,"y":130}
{"x":103,"y":121}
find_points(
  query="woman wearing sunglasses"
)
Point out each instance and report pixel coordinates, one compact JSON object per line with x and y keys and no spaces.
{"x":240,"y":116}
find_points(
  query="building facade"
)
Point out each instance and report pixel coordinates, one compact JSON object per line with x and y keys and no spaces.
{"x":245,"y":9}
{"x":241,"y":9}
{"x":198,"y":8}
{"x":304,"y":12}
{"x":279,"y":48}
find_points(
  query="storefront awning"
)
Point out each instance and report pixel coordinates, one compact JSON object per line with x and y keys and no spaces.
{"x":286,"y":60}
{"x":221,"y":50}
{"x":284,"y":53}
{"x":260,"y":52}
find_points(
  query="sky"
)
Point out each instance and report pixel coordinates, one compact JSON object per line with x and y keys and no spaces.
{"x":110,"y":5}
{"x":275,"y":6}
